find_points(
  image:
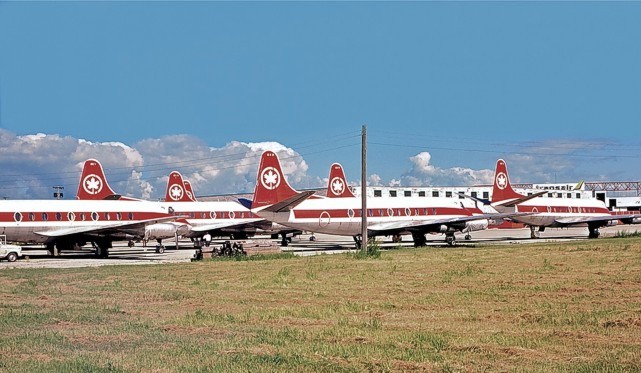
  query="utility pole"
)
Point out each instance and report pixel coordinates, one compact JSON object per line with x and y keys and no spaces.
{"x":364,"y":190}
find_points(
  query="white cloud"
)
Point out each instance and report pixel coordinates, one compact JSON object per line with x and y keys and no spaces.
{"x":424,"y":173}
{"x":32,"y":164}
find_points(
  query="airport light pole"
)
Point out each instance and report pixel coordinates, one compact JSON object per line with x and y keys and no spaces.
{"x":57,"y":194}
{"x":364,"y":190}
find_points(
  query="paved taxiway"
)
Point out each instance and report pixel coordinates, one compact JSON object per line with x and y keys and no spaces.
{"x":324,"y":244}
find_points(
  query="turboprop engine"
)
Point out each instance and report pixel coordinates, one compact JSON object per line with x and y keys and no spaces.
{"x":165,"y":230}
{"x":476,"y":225}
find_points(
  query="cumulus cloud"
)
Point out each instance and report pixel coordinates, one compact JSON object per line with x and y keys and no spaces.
{"x":423,"y":173}
{"x":32,"y":164}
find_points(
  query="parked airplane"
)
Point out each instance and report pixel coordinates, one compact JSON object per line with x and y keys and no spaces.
{"x":94,"y":186}
{"x":63,"y":225}
{"x":551,"y":212}
{"x":218,"y":218}
{"x":276,"y":200}
{"x":337,"y":187}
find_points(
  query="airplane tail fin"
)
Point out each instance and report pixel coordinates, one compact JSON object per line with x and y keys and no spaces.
{"x":189,"y":191}
{"x":502,"y":188}
{"x":176,"y":188}
{"x":271,"y":186}
{"x":337,"y":186}
{"x":93,"y":183}
{"x":579,"y":185}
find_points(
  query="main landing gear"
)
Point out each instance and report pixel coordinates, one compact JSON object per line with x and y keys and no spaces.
{"x":450,"y":239}
{"x":593,"y":232}
{"x":160,"y":248}
{"x":535,"y":232}
{"x":419,"y":239}
{"x":284,"y":242}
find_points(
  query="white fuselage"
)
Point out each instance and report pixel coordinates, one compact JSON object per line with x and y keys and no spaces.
{"x":21,"y":220}
{"x":342,"y":216}
{"x":547,"y":211}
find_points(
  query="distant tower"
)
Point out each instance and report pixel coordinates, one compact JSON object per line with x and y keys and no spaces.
{"x":57,"y":194}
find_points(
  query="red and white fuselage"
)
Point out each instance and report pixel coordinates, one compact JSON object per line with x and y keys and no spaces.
{"x":43,"y":221}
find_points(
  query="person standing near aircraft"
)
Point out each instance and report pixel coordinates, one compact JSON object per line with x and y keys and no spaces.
{"x":207,"y":239}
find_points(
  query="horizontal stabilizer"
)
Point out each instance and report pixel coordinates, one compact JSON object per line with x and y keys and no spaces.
{"x":517,"y":201}
{"x":247,"y":203}
{"x":290,"y":202}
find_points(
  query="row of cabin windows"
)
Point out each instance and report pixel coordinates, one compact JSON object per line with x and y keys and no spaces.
{"x":219,"y":215}
{"x":72,"y":216}
{"x":449,"y":194}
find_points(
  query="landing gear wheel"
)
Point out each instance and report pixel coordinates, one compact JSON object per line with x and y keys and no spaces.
{"x":160,"y":249}
{"x":312,"y":238}
{"x":468,"y":237}
{"x":131,"y":243}
{"x":450,"y":240}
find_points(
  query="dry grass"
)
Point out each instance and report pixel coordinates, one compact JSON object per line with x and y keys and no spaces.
{"x":573,"y":306}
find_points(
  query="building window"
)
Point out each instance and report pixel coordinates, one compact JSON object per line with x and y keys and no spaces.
{"x":392,"y":193}
{"x":378,"y":193}
{"x":407,"y":193}
{"x":474,"y":194}
{"x":569,"y":195}
{"x":486,"y":195}
{"x":578,"y":195}
{"x":448,"y":194}
{"x":435,"y":193}
{"x":421,"y":193}
{"x":559,"y":195}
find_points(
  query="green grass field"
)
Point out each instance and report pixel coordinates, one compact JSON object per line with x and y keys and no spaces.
{"x":557,"y":307}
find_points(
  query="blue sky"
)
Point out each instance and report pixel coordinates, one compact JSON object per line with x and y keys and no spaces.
{"x":552,"y":87}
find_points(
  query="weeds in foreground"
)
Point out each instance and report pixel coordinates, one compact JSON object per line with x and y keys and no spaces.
{"x":373,"y":250}
{"x":257,"y":257}
{"x":624,"y":234}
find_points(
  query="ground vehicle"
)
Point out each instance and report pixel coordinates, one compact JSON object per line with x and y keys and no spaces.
{"x":9,"y":252}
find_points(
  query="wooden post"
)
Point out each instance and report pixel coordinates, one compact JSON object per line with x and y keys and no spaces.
{"x":364,"y":190}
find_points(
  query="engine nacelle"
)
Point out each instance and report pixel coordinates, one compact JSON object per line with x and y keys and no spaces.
{"x":476,"y":225}
{"x":165,"y":230}
{"x":612,"y":223}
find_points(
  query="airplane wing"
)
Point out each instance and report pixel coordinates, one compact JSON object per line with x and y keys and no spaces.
{"x":290,"y":202}
{"x":213,"y":227}
{"x":595,"y":219}
{"x":516,"y":201}
{"x":120,"y":226}
{"x":433,"y":225}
